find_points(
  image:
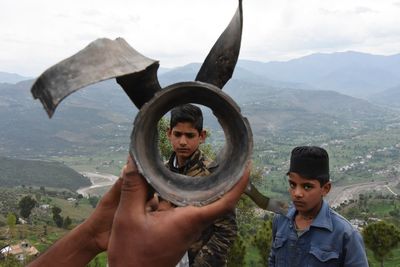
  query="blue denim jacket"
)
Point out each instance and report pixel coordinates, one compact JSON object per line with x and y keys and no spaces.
{"x":330,"y":241}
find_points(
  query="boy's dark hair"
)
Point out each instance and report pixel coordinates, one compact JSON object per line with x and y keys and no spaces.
{"x":311,"y":162}
{"x":187,"y":113}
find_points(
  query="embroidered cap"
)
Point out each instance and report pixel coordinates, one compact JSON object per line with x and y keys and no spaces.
{"x":310,"y":162}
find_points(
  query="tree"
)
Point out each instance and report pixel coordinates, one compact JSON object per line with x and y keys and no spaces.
{"x":45,"y":230}
{"x":67,"y":222}
{"x":262,"y":241}
{"x":381,"y":238}
{"x":95,"y":262}
{"x":245,"y":215}
{"x":246,"y":209}
{"x":248,"y":220}
{"x":38,"y":197}
{"x":43,"y":190}
{"x":237,"y":253}
{"x":395,"y":213}
{"x":163,"y":142}
{"x":26,"y":204}
{"x":93,"y":200}
{"x":11,"y":221}
{"x":58,"y":220}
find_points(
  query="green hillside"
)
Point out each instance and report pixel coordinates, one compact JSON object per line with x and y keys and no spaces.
{"x":17,"y":172}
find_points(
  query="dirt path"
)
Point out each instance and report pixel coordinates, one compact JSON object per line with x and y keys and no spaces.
{"x":340,"y":194}
{"x":98,"y":180}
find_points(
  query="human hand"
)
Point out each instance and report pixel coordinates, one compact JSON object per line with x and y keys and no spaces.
{"x":142,"y":237}
{"x":99,"y":223}
{"x":86,"y":240}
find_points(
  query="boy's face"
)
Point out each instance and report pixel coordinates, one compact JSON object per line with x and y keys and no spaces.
{"x":307,"y":194}
{"x":185,"y":139}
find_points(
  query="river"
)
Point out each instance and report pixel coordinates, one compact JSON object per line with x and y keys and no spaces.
{"x":98,"y":180}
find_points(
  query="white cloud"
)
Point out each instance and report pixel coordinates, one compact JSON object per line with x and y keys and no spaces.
{"x":39,"y":33}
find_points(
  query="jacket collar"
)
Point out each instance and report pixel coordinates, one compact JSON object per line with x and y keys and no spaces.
{"x":194,"y":159}
{"x":323,"y":219}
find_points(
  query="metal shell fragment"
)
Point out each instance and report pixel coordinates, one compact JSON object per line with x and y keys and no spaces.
{"x":180,"y":189}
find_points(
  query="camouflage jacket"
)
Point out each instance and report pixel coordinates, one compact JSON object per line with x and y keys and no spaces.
{"x":211,"y":250}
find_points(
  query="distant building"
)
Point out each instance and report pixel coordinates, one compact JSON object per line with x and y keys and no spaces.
{"x":358,"y":224}
{"x":20,"y":251}
{"x":22,"y":221}
{"x":372,"y":219}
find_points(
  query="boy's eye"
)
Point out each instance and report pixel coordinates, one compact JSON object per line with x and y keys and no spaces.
{"x":190,"y":135}
{"x":308,"y":187}
{"x":177,"y":134}
{"x":292,"y":185}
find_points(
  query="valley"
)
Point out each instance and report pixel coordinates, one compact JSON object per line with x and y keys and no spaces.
{"x":77,"y":155}
{"x":100,"y":181}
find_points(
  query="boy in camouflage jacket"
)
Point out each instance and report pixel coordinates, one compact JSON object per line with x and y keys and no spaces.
{"x":185,"y":135}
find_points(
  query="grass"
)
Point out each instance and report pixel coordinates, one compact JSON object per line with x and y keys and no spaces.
{"x":391,"y":261}
{"x":68,"y":208}
{"x":252,"y":256}
{"x":380,"y":208}
{"x":99,"y":261}
{"x":99,"y":191}
{"x":111,"y":162}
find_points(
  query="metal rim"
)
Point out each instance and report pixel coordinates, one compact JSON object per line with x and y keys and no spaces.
{"x":180,"y":189}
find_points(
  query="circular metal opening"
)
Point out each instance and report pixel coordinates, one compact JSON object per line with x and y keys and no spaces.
{"x":180,"y":189}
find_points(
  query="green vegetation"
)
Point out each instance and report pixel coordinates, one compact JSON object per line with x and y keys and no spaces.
{"x":25,"y":205}
{"x":362,"y":141}
{"x":16,"y":172}
{"x":372,"y":205}
{"x":53,"y":214}
{"x":391,"y":260}
{"x":381,"y":238}
{"x":252,"y":247}
{"x":164,"y":144}
{"x":236,"y":257}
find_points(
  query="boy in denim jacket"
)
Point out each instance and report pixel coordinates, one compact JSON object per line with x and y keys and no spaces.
{"x":312,"y":234}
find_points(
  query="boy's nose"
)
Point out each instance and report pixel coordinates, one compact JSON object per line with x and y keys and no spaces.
{"x":182,"y":141}
{"x":298,"y":193}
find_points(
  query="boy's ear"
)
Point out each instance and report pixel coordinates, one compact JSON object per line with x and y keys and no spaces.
{"x":326,"y":188}
{"x":169,"y":131}
{"x":203,"y":136}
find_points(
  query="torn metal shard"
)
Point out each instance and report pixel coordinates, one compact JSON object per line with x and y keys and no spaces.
{"x":101,"y":60}
{"x":220,"y":62}
{"x":265,"y":202}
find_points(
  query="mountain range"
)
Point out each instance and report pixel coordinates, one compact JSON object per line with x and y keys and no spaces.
{"x":351,"y":73}
{"x":323,"y":93}
{"x":6,"y":77}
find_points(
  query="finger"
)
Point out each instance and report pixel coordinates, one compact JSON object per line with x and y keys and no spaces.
{"x":230,"y":199}
{"x":164,"y":205}
{"x":152,"y":204}
{"x":111,"y":198}
{"x":211,"y":212}
{"x":133,"y":191}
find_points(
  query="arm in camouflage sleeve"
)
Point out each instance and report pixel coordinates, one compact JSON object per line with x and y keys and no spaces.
{"x":214,"y":253}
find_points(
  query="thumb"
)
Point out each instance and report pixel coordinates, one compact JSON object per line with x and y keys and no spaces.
{"x":228,"y":201}
{"x":134,"y":189}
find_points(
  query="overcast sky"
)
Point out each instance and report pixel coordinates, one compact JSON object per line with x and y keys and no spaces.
{"x":35,"y":34}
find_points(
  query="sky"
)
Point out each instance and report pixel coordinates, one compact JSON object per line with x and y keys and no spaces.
{"x":36,"y":34}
